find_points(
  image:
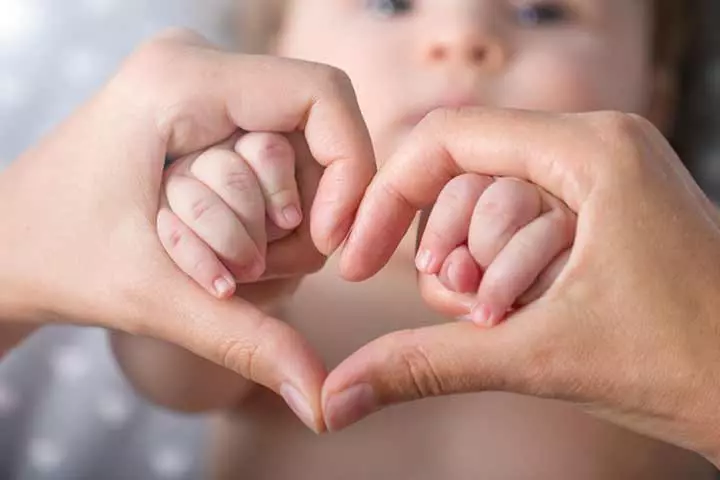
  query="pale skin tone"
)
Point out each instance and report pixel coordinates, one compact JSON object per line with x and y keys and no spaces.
{"x":478,"y":52}
{"x":655,"y":301}
{"x":86,"y":250}
{"x":580,"y":341}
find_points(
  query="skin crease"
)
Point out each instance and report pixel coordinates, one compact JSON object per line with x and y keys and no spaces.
{"x":443,"y":53}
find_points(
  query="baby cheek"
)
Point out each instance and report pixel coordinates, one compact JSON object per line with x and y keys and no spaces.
{"x":565,"y":83}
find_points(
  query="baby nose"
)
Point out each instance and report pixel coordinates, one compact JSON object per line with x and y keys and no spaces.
{"x":470,"y":42}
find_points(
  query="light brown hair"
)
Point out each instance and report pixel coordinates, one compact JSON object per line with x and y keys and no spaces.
{"x":673,"y":23}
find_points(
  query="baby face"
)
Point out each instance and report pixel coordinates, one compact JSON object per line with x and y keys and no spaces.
{"x":408,"y":57}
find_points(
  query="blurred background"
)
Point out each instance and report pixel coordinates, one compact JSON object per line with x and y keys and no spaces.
{"x":65,"y":412}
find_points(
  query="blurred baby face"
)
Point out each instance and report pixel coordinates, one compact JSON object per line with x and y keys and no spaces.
{"x":408,"y":57}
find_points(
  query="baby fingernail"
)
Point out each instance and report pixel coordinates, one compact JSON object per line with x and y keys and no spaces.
{"x":292,"y":216}
{"x":348,"y":407}
{"x":297,"y":403}
{"x":425,"y":262}
{"x":224,"y":287}
{"x":483,"y":316}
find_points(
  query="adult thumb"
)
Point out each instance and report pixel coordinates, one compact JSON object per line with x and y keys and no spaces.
{"x":237,"y":335}
{"x":441,"y":360}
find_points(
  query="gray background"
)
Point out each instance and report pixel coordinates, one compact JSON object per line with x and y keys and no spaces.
{"x":65,"y":412}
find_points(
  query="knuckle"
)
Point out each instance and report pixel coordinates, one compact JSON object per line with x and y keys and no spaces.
{"x":202,"y":207}
{"x":273,"y":153}
{"x":239,"y":355}
{"x":158,"y":72}
{"x":272,"y":145}
{"x":178,"y":34}
{"x":263,"y":144}
{"x":497,"y":208}
{"x":226,"y":170}
{"x":617,"y":124}
{"x":620,"y":134}
{"x":242,"y":355}
{"x":175,"y":237}
{"x":640,"y":121}
{"x":155,"y":55}
{"x":155,"y":49}
{"x":517,"y":194}
{"x":241,"y":180}
{"x":437,"y":118}
{"x":335,"y":79}
{"x":417,"y":363}
{"x":453,"y":194}
{"x":392,"y":192}
{"x":464,"y":186}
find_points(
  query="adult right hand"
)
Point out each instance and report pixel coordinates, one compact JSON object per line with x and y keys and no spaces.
{"x":78,"y":213}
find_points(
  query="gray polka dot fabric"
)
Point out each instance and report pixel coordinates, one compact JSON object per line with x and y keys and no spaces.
{"x":65,"y":410}
{"x":66,"y":413}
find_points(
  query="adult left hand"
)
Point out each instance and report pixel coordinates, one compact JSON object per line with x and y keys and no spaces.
{"x":630,"y":330}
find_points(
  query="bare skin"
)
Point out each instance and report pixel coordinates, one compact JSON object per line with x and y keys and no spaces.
{"x":440,"y":54}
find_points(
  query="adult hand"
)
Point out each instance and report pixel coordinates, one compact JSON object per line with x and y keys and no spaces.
{"x":78,"y":212}
{"x":630,"y":330}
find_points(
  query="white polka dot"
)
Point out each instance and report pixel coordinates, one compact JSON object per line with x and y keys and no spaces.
{"x":80,"y":66}
{"x":13,"y":92}
{"x":114,"y":409}
{"x":45,"y":455}
{"x":20,"y":21}
{"x":9,"y":398}
{"x":170,"y":463}
{"x":70,"y":364}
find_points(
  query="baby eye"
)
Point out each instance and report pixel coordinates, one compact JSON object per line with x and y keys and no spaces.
{"x":389,"y":8}
{"x":543,"y":14}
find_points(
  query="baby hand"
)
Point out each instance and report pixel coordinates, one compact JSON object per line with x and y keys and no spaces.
{"x":493,"y":245}
{"x":225,"y":205}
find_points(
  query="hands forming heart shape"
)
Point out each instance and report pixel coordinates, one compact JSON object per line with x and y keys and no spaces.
{"x":629,"y":328}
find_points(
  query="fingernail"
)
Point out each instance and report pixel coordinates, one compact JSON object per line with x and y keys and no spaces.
{"x":452,"y":277}
{"x":224,"y":287}
{"x":292,"y":216}
{"x":484,"y":316}
{"x":424,"y":262}
{"x":345,"y":408}
{"x":465,"y":318}
{"x":297,"y":403}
